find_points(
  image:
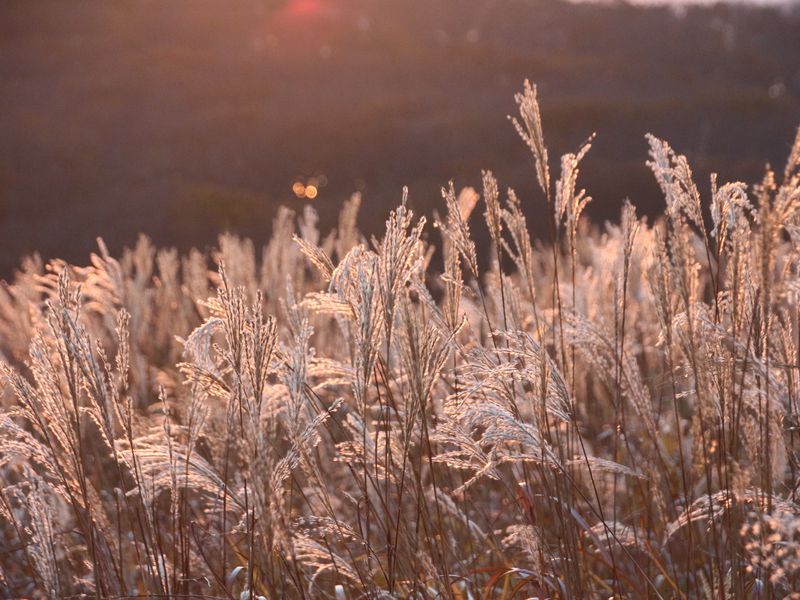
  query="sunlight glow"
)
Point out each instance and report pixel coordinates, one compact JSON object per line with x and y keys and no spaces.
{"x":302,"y":190}
{"x":302,"y":8}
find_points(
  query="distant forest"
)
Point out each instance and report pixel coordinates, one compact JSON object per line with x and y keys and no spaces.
{"x":184,"y":119}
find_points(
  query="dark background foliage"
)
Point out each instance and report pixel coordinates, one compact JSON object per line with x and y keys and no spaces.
{"x":181,"y":119}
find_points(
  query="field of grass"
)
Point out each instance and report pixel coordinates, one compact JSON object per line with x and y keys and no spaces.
{"x":611,"y":411}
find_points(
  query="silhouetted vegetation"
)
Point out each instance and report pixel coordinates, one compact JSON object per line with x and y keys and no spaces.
{"x":114,"y":115}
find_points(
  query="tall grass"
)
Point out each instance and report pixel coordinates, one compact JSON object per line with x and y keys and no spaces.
{"x":616,"y":416}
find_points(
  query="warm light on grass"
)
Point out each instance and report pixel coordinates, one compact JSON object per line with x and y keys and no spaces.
{"x":349,"y":419}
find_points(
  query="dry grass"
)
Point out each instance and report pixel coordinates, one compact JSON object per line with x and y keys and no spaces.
{"x":616,"y":416}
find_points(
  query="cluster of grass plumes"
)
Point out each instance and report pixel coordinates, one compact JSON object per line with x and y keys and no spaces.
{"x":617,"y":415}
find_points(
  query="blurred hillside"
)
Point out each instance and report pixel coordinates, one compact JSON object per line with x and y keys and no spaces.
{"x":183,"y":118}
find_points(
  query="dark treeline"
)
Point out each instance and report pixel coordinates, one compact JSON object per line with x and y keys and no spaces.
{"x":182,"y":119}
